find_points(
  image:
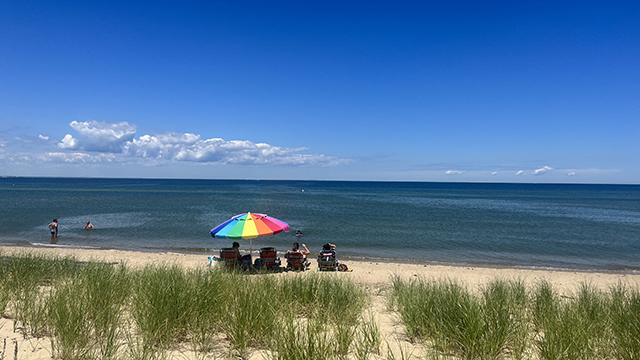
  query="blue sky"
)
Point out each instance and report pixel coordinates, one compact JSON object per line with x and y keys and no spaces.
{"x":495,"y":91}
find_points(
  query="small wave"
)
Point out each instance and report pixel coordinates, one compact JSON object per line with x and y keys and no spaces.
{"x":50,"y":245}
{"x":69,"y":246}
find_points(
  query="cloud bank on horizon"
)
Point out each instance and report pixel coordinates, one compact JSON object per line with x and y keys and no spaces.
{"x":102,"y":141}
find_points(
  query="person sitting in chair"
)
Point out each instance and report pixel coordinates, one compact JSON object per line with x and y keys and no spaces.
{"x":296,"y":248}
{"x":236,"y":247}
{"x":328,"y":247}
{"x":244,"y":260}
{"x":327,"y":258}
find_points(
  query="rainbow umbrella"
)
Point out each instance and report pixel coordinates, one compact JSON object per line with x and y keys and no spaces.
{"x":249,"y":226}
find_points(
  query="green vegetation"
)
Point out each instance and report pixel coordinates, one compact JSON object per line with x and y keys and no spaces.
{"x":625,"y":322}
{"x":94,"y":310}
{"x":455,"y":320}
{"x":505,"y":319}
{"x":571,"y":329}
{"x":97,"y":310}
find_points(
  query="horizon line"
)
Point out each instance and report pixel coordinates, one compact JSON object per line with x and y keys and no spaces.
{"x":317,"y":180}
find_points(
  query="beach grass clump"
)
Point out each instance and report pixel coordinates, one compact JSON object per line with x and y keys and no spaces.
{"x":5,"y":293}
{"x":251,"y":309}
{"x":546,"y":303}
{"x":308,"y":339}
{"x":107,"y":290}
{"x":431,"y":309}
{"x":68,"y":316}
{"x":505,"y":317}
{"x":624,"y":310}
{"x":257,"y":305}
{"x":31,"y":312}
{"x":38,"y":269}
{"x":23,"y":277}
{"x":161,"y":304}
{"x":572,"y":327}
{"x":368,"y":338}
{"x":208,"y":292}
{"x":455,"y":320}
{"x":170,"y":305}
{"x":314,"y":337}
{"x":337,"y":299}
{"x":84,"y":312}
{"x":318,"y":317}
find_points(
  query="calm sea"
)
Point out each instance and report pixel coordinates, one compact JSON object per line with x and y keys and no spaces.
{"x":531,"y":225}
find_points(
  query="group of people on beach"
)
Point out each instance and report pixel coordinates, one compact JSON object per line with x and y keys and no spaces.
{"x":306,"y":252}
{"x":53,"y":228}
{"x":246,"y":259}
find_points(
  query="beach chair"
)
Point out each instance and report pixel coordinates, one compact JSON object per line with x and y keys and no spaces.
{"x":269,"y":258}
{"x":295,"y":260}
{"x":228,"y":258}
{"x":327,"y":261}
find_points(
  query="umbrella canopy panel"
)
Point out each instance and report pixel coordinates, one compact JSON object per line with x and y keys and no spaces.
{"x":249,"y":226}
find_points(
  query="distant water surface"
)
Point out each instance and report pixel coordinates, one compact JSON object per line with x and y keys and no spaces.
{"x":555,"y":226}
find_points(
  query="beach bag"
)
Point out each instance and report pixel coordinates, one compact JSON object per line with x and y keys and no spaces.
{"x":245,"y":260}
{"x":343,"y":267}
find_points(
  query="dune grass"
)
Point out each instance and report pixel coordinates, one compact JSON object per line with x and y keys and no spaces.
{"x":457,"y":321}
{"x":84,"y":312}
{"x":505,"y":318}
{"x":97,"y":310}
{"x":110,"y":311}
{"x":23,"y":277}
{"x":161,"y":304}
{"x":573,"y":327}
{"x":624,"y":310}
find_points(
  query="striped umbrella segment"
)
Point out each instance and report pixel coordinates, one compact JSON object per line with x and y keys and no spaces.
{"x":249,"y":226}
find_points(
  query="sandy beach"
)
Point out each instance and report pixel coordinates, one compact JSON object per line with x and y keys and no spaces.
{"x":375,"y":276}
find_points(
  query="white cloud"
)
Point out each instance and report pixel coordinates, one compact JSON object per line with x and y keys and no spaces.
{"x":77,"y":157}
{"x":100,"y":136}
{"x":494,"y":173}
{"x":542,"y":170}
{"x":179,"y":138}
{"x":455,"y":172}
{"x":68,"y":143}
{"x":42,"y":137}
{"x":189,"y":147}
{"x":520,"y":173}
{"x":571,"y":173}
{"x":105,"y":137}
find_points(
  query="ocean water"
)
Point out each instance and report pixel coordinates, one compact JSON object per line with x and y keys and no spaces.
{"x":530,"y":225}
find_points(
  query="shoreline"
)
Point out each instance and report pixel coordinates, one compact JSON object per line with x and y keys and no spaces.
{"x":213,"y":251}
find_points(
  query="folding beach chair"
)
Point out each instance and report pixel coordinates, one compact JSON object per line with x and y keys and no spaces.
{"x":327,"y":261}
{"x":269,"y":258}
{"x":295,"y":260}
{"x":228,"y":258}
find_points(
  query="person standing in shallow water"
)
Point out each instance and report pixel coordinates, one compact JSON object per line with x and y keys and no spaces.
{"x":89,"y":226}
{"x":53,"y":228}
